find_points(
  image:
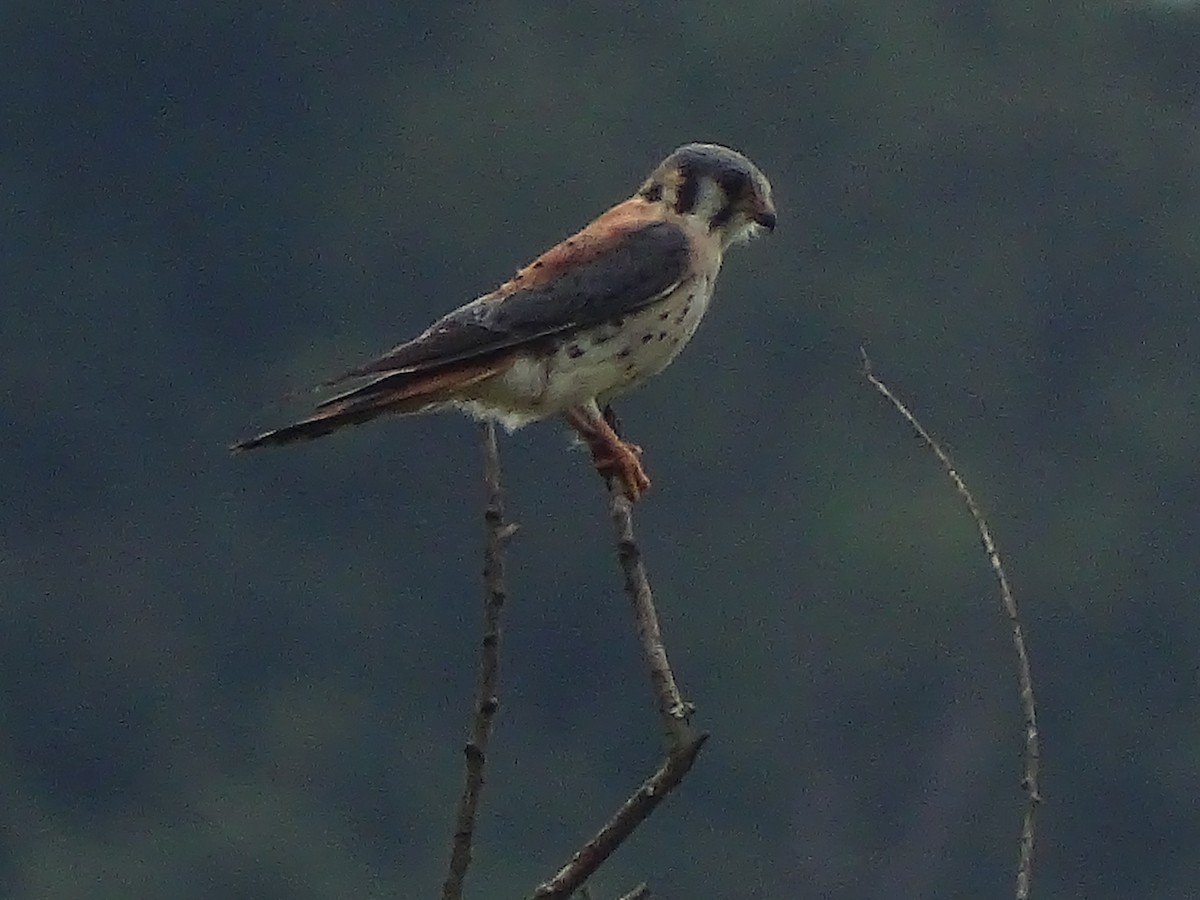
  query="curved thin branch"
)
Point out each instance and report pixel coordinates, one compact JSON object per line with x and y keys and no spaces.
{"x":486,"y":703}
{"x":1029,"y":780}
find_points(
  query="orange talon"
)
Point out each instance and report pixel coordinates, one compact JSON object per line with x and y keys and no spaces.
{"x":612,"y":456}
{"x":620,"y":460}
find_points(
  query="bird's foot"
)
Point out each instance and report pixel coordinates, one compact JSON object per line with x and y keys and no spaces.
{"x":619,"y":459}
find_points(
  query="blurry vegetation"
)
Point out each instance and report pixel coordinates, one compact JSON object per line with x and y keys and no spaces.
{"x":250,"y":679}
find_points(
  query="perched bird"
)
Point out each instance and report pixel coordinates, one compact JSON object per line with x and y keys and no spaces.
{"x":589,"y":319}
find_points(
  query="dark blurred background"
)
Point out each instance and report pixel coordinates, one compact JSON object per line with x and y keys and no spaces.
{"x":250,"y":677}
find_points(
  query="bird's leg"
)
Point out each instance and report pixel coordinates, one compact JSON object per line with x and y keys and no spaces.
{"x":610,"y":416}
{"x":612,"y":457}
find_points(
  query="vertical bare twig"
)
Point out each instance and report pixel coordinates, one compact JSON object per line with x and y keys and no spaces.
{"x":1029,"y":780}
{"x":674,"y":712}
{"x":486,"y":704}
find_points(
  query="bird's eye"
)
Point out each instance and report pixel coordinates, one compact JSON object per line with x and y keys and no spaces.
{"x":688,"y":191}
{"x":734,"y":183}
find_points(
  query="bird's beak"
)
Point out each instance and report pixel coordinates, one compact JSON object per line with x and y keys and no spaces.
{"x":766,"y":217}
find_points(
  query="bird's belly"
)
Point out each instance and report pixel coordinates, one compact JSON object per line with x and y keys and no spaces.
{"x":595,"y":362}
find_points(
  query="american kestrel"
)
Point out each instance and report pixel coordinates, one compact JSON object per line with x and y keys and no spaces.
{"x":589,"y":319}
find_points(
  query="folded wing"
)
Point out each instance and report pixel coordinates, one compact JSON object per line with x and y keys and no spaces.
{"x":631,"y":269}
{"x":635,"y":269}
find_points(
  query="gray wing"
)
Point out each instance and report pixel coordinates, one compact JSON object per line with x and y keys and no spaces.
{"x":640,"y":267}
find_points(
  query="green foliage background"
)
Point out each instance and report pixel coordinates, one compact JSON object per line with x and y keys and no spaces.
{"x":249,"y":677}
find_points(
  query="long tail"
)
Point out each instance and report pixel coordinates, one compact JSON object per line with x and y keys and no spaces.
{"x":395,"y":393}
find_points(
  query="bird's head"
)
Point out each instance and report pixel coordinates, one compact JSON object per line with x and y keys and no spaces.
{"x":717,"y":186}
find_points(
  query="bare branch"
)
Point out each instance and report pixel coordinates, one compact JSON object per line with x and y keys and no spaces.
{"x":1029,"y":780}
{"x":674,"y":713}
{"x":486,"y":703}
{"x":627,"y":818}
{"x":673,"y":710}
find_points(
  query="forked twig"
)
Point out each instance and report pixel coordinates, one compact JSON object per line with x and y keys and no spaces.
{"x":674,"y":713}
{"x":1029,"y":780}
{"x":475,"y":752}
